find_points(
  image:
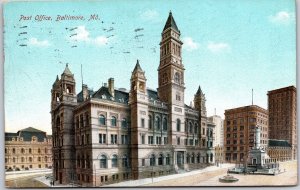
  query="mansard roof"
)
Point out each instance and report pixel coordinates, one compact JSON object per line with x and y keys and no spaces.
{"x":278,"y":143}
{"x":120,"y":96}
{"x":152,"y":94}
{"x":80,"y":95}
{"x":27,"y":134}
{"x":171,"y":23}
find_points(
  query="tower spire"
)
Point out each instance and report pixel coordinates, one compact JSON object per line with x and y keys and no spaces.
{"x":171,"y":23}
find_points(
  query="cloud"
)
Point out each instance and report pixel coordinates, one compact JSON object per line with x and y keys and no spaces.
{"x":189,"y":44}
{"x":36,"y":42}
{"x":101,"y":40}
{"x":149,"y":15}
{"x":282,"y":17}
{"x":83,"y":35}
{"x":218,"y":47}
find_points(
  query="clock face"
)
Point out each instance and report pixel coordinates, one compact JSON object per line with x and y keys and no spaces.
{"x":141,"y":86}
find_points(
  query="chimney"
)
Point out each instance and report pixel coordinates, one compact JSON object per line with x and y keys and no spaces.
{"x":85,"y":92}
{"x":111,"y":87}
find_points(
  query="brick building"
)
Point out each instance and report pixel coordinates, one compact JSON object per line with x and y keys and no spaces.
{"x":282,"y":105}
{"x":239,"y":131}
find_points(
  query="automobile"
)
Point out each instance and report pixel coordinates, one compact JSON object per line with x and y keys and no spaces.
{"x":9,"y":169}
{"x":17,"y":169}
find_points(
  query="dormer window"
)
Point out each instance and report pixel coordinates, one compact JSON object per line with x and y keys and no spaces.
{"x":34,"y":139}
{"x":103,"y":96}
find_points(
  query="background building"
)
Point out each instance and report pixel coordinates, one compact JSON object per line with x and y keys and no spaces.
{"x":279,"y":150}
{"x":239,"y":131}
{"x":111,"y":135}
{"x":218,"y":137}
{"x":27,"y":149}
{"x":282,"y":105}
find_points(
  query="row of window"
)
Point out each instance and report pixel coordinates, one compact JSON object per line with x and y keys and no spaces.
{"x":24,"y":151}
{"x":24,"y":159}
{"x":113,"y":139}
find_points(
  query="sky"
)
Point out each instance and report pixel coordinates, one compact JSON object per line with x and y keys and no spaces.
{"x":229,"y":48}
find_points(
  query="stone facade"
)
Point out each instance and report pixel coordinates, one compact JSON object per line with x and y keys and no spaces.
{"x":279,"y":150}
{"x":239,"y":131}
{"x":282,"y":105}
{"x":218,"y":138}
{"x":28,"y":149}
{"x":111,"y":135}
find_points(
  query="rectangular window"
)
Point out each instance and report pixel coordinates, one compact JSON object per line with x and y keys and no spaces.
{"x":150,"y":139}
{"x":178,"y":140}
{"x":191,"y":142}
{"x":113,"y":139}
{"x":100,"y":140}
{"x":143,"y":162}
{"x":143,"y":139}
{"x":124,"y":139}
{"x":143,"y":122}
{"x":103,"y":138}
{"x":185,"y":141}
{"x":158,"y":140}
{"x":196,"y":142}
{"x":87,"y":139}
{"x":165,"y":140}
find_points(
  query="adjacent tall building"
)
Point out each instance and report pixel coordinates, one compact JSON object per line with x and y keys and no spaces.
{"x":218,"y":138}
{"x":239,"y":131}
{"x":111,"y":135}
{"x":282,"y":105}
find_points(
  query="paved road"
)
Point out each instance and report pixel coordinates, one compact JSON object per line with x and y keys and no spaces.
{"x":25,"y":181}
{"x":211,"y":178}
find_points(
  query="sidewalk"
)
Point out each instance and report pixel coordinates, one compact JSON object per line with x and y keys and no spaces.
{"x":141,"y":182}
{"x":25,"y":173}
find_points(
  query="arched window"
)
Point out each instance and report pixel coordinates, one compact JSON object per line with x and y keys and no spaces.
{"x":30,"y":159}
{"x":29,"y":151}
{"x":157,"y":123}
{"x":150,"y":122}
{"x":152,"y":160}
{"x":114,"y":161}
{"x":160,"y":159}
{"x":211,"y":157}
{"x":124,"y":123}
{"x":102,"y":120}
{"x":14,"y":150}
{"x":177,"y":78}
{"x":39,"y":150}
{"x":113,"y":121}
{"x":190,"y":127}
{"x":14,"y":159}
{"x":22,"y":159}
{"x":103,"y":161}
{"x":125,"y":161}
{"x":196,"y":129}
{"x":5,"y":150}
{"x":165,"y":124}
{"x":58,"y":122}
{"x":178,"y":124}
{"x":39,"y":159}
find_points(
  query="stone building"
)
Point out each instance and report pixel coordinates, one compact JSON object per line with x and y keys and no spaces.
{"x":239,"y":131}
{"x":218,"y":138}
{"x":112,"y":135}
{"x":282,"y":105}
{"x":279,"y":150}
{"x":28,"y":149}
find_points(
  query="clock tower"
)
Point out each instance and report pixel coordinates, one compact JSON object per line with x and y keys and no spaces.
{"x":171,"y":76}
